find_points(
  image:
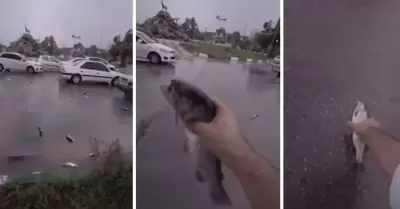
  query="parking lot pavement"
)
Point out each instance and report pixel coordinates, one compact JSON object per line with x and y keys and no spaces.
{"x":28,"y":101}
{"x":327,"y":72}
{"x":165,"y":176}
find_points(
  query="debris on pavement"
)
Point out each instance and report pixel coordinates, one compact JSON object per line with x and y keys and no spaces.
{"x":19,"y":157}
{"x":254,"y":116}
{"x":40,"y":131}
{"x":92,"y":154}
{"x":70,"y":164}
{"x":124,"y":109}
{"x":69,"y":138}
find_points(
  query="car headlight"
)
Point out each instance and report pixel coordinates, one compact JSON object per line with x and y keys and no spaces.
{"x":165,"y":50}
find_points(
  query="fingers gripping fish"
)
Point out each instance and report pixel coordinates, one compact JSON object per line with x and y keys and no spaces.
{"x":360,"y":114}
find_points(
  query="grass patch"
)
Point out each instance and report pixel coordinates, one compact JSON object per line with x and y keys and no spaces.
{"x":108,"y":186}
{"x":221,"y":52}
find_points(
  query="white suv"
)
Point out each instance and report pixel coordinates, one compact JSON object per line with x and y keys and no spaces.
{"x":14,"y":61}
{"x":148,"y":49}
{"x":50,"y":62}
{"x":85,"y":70}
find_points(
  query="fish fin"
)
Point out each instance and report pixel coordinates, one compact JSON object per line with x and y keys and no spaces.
{"x":191,"y":142}
{"x":200,"y":175}
{"x":219,"y":196}
{"x":366,"y":148}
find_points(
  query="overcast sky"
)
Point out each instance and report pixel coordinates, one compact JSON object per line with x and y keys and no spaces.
{"x":90,"y":19}
{"x":254,"y":13}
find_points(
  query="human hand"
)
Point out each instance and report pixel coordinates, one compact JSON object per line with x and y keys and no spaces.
{"x":221,"y":132}
{"x":362,"y":127}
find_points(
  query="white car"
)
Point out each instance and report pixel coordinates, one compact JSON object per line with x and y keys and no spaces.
{"x":50,"y":63}
{"x":14,"y":61}
{"x":85,"y":70}
{"x":72,"y":61}
{"x":97,"y":59}
{"x":148,"y":49}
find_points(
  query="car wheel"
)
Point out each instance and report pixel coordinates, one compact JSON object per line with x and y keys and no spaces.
{"x":7,"y":70}
{"x":76,"y":79}
{"x":1,"y":67}
{"x":114,"y":81}
{"x":154,"y":58}
{"x":30,"y":69}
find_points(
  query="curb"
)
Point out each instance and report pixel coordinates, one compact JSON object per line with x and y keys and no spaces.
{"x":235,"y":59}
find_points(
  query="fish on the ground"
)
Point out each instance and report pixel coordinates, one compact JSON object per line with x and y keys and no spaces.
{"x":70,"y":164}
{"x":254,"y":116}
{"x":360,"y":114}
{"x":93,"y":154}
{"x":69,"y":138}
{"x":40,"y":131}
{"x":192,"y":105}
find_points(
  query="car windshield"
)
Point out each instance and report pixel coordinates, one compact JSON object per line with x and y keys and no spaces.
{"x":146,"y":38}
{"x":77,"y":62}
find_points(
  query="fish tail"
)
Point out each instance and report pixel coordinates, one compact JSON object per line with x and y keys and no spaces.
{"x":219,"y":195}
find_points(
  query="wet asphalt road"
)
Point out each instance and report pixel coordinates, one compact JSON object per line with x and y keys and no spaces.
{"x":337,"y":52}
{"x":44,"y":103}
{"x":165,"y":176}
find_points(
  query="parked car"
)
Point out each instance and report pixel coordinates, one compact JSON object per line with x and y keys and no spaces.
{"x":15,"y":61}
{"x":148,"y":49}
{"x":125,"y":85}
{"x":276,"y":61}
{"x":72,"y":61}
{"x":85,"y":70}
{"x":50,"y":62}
{"x":97,"y":59}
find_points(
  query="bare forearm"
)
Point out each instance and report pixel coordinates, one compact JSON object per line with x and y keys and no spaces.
{"x":384,"y":147}
{"x":259,"y":180}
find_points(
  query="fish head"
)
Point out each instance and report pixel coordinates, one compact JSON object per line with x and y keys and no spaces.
{"x":189,"y":102}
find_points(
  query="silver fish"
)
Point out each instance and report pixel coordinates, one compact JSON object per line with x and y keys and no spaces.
{"x":69,"y":164}
{"x":40,"y":131}
{"x":192,"y":105}
{"x":69,"y":138}
{"x":360,"y":114}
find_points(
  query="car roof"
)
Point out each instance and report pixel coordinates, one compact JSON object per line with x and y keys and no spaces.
{"x":85,"y":60}
{"x":10,"y":53}
{"x":94,"y":57}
